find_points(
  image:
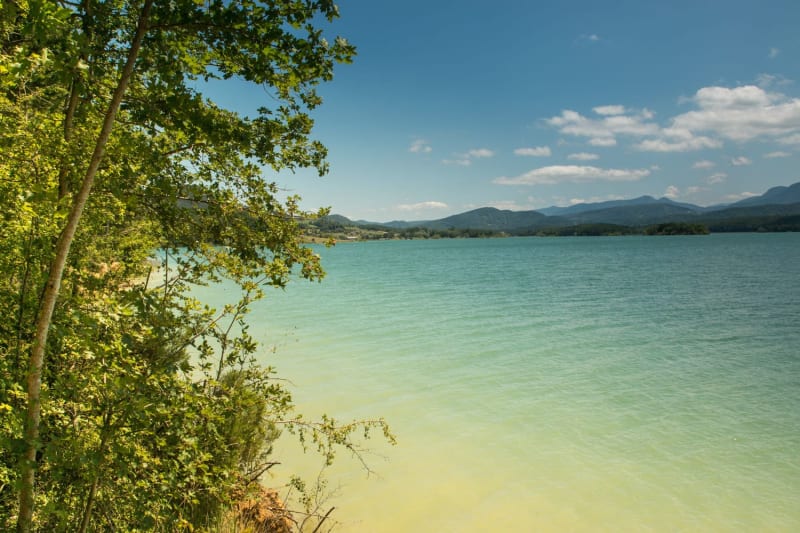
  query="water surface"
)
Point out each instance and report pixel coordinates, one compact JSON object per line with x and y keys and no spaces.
{"x":552,"y":384}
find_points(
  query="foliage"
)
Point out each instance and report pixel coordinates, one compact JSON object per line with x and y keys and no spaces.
{"x":587,"y":230}
{"x":153,"y":407}
{"x":676,"y":228}
{"x":756,"y":223}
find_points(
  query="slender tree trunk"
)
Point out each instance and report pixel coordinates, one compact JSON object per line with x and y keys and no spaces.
{"x":23,"y":289}
{"x":72,"y":106}
{"x":87,"y":509}
{"x":72,"y":101}
{"x":27,"y":466}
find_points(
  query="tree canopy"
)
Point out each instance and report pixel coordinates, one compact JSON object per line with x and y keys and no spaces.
{"x":126,"y":403}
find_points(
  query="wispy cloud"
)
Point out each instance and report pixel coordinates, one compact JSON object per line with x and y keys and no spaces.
{"x":791,"y":139}
{"x":717,"y":177}
{"x":704,"y":164}
{"x":672,"y":192}
{"x":741,"y":161}
{"x":673,"y":144}
{"x":773,"y":53}
{"x":423,"y":206}
{"x":459,"y":161}
{"x":603,"y":131}
{"x":773,"y":155}
{"x":583,"y":156}
{"x":479,"y":153}
{"x":603,"y":141}
{"x":765,"y":81}
{"x":511,"y":205}
{"x":534,"y":151}
{"x":739,"y":196}
{"x":572,"y":173}
{"x":609,"y":110}
{"x":420,"y":146}
{"x":465,"y":159}
{"x":590,"y":200}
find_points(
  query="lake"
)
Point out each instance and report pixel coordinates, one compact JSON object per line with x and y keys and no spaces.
{"x":553,"y":384}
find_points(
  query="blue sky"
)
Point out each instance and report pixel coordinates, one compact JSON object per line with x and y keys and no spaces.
{"x":454,"y":105}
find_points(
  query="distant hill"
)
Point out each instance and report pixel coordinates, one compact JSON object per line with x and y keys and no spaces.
{"x":403,"y":224}
{"x":779,"y":208}
{"x":636,"y":214}
{"x":739,"y":211}
{"x":490,"y":218}
{"x":775,"y":195}
{"x":597,"y":206}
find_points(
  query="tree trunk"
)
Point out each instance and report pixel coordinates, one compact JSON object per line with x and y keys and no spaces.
{"x":105,"y":431}
{"x":44,"y":317}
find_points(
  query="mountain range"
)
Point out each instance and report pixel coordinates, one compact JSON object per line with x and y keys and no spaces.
{"x":777,"y":202}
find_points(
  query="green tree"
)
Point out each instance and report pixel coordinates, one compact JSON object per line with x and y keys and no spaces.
{"x":110,"y":151}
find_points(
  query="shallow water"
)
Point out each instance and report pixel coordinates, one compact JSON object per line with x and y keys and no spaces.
{"x":554,"y":384}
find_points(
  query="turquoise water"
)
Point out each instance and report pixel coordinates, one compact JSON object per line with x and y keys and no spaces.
{"x":555,"y":384}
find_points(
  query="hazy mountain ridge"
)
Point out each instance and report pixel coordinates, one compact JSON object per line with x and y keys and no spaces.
{"x":597,"y":206}
{"x":635,"y":215}
{"x":490,"y":218}
{"x":779,"y":201}
{"x":775,"y":195}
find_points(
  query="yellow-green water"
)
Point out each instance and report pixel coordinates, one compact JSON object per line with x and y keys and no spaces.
{"x":565,"y":384}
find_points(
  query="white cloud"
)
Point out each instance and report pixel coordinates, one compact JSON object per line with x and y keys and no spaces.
{"x":773,"y":53}
{"x":741,"y":161}
{"x":535,"y":151}
{"x":465,"y":159}
{"x":479,"y":152}
{"x":742,"y":97}
{"x":421,"y":206}
{"x":717,"y":177}
{"x":604,"y":130}
{"x":704,"y":164}
{"x":672,"y":192}
{"x":773,"y":155}
{"x":686,"y":145}
{"x":420,"y":146}
{"x":572,"y":173}
{"x":603,"y":141}
{"x":630,"y":125}
{"x":583,"y":156}
{"x":461,"y":161}
{"x":741,"y":114}
{"x":609,"y":110}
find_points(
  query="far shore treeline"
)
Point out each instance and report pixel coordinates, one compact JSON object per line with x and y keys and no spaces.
{"x":325,"y":229}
